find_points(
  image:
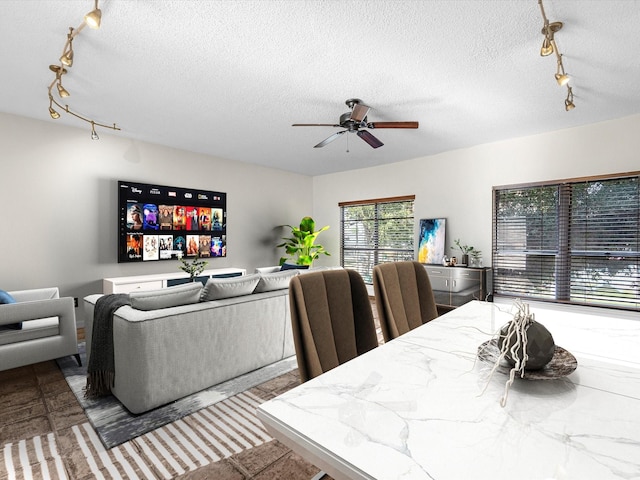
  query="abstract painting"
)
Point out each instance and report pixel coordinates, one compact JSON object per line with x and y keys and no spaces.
{"x":431,"y":241}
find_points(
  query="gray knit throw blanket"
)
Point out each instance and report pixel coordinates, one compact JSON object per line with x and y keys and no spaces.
{"x":101,"y":368}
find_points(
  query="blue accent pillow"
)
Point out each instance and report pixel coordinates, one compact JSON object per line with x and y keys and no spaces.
{"x":5,"y":299}
{"x":291,"y":266}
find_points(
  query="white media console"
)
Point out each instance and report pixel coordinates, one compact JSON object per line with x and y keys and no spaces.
{"x":162,"y":280}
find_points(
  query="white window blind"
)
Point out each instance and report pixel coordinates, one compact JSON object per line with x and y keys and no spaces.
{"x":376,"y":231}
{"x":571,"y":241}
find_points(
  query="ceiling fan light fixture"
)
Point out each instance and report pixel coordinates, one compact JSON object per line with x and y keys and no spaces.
{"x":93,"y":18}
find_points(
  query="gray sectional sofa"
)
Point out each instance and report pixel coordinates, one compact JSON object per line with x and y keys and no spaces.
{"x":176,"y":341}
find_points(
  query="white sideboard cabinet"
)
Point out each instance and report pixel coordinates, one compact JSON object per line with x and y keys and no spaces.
{"x":162,"y":280}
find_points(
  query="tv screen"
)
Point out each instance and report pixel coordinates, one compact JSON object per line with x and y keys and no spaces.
{"x":157,"y":222}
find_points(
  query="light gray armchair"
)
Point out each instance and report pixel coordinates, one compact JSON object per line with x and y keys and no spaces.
{"x":48,"y":328}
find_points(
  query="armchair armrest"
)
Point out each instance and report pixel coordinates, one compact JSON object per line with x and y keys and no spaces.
{"x":63,"y":308}
{"x":35,"y":294}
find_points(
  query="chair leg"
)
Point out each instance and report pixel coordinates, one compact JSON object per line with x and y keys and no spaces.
{"x":319,"y":476}
{"x":77,"y":355}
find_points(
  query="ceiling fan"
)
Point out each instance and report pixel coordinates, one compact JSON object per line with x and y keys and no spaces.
{"x":355,"y":121}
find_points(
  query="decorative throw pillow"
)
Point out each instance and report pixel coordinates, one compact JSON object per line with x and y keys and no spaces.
{"x":275,"y":280}
{"x":5,"y":299}
{"x":166,"y":297}
{"x":217,"y":288}
{"x":291,"y":266}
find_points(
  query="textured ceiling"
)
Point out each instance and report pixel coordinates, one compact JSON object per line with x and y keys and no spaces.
{"x":229,"y":77}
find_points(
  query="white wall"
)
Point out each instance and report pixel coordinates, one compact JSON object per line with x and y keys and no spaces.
{"x":58,"y":192}
{"x":457,"y":185}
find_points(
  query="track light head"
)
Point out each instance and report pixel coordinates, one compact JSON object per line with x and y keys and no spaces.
{"x":67,"y":58}
{"x":568,"y":103}
{"x":93,"y":17}
{"x":547,"y":47}
{"x":562,"y":79}
{"x":62,"y":91}
{"x":94,"y":134}
{"x":55,"y":115}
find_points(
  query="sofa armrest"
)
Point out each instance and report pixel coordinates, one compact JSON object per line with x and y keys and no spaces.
{"x":63,"y":308}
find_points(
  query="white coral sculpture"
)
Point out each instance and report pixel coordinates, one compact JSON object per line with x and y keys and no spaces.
{"x":514,"y":334}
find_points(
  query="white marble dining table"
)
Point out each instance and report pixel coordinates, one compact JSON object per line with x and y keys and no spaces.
{"x":423,"y":406}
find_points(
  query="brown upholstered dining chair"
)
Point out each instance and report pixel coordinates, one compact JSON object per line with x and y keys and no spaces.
{"x":332,"y":320}
{"x":404,"y":299}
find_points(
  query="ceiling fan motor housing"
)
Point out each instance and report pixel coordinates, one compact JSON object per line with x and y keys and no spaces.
{"x":346,"y":122}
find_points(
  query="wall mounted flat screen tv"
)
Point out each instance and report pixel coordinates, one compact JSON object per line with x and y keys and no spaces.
{"x":157,"y":222}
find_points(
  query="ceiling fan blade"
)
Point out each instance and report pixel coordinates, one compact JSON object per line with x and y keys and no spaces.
{"x":314,"y":125}
{"x":359,"y":112}
{"x":369,"y":138}
{"x":392,"y":125}
{"x":329,"y":139}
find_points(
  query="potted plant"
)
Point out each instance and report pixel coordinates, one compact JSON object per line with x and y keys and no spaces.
{"x":301,"y":245}
{"x":193,"y":267}
{"x":466,"y":251}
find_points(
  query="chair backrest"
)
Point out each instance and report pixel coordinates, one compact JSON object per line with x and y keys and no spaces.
{"x":404,"y":298}
{"x":332,"y":320}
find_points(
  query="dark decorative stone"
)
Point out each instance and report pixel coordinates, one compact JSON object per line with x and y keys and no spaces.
{"x":540,"y":345}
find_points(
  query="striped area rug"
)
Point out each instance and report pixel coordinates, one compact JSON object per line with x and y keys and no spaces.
{"x":207,"y":436}
{"x":115,"y":425}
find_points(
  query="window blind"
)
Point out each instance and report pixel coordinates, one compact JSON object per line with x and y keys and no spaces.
{"x":570,"y":241}
{"x":376,"y":231}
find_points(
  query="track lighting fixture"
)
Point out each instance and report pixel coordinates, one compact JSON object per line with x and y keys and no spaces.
{"x":549,"y":47}
{"x":92,"y":19}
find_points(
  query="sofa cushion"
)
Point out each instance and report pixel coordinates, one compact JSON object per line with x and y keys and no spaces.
{"x":271,"y":269}
{"x":166,"y":297}
{"x":217,"y":288}
{"x":5,"y":299}
{"x":275,"y":281}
